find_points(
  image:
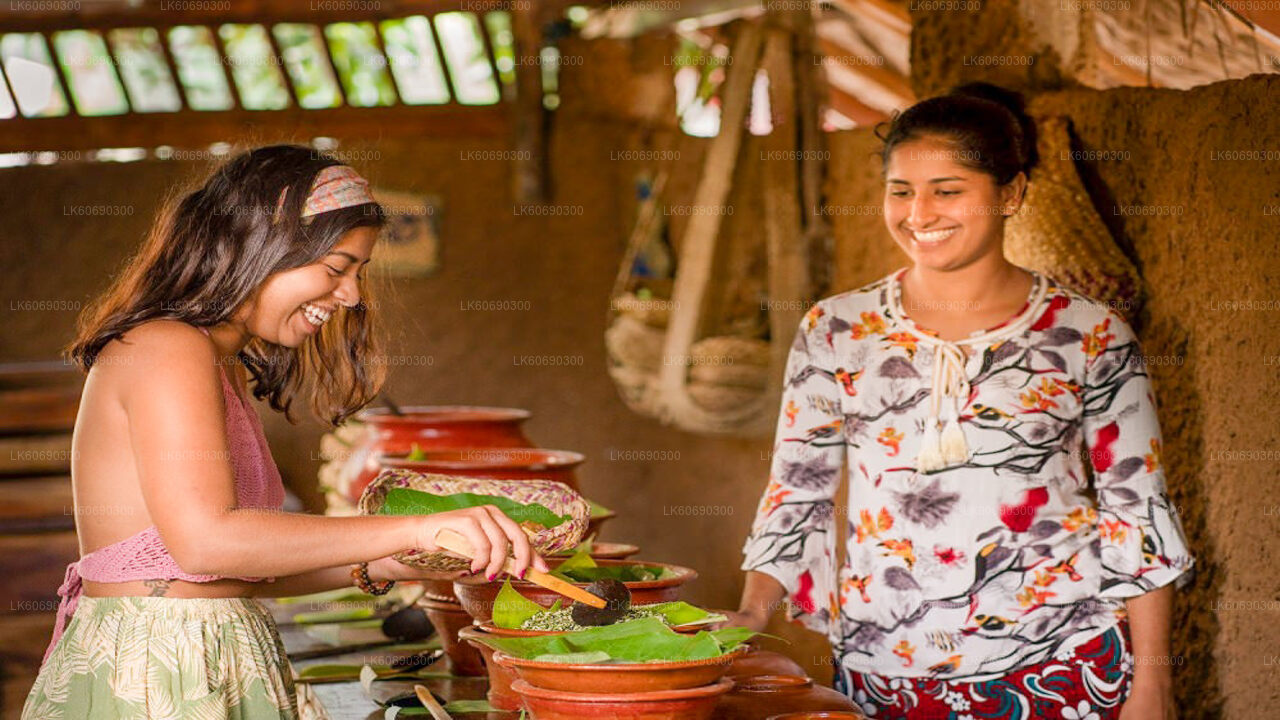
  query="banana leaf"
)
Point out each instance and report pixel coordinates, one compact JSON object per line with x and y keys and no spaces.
{"x":581,"y":567}
{"x":511,"y":609}
{"x":406,"y":501}
{"x":635,"y":641}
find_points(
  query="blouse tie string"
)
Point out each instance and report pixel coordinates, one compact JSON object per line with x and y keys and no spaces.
{"x":945,"y":446}
{"x":944,"y":443}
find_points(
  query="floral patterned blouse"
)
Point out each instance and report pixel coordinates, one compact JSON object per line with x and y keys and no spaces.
{"x":979,"y":539}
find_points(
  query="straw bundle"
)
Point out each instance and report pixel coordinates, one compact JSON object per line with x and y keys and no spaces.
{"x":556,"y":497}
{"x":1059,"y":233}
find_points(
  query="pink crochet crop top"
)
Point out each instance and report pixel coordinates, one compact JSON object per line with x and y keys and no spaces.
{"x":144,"y":555}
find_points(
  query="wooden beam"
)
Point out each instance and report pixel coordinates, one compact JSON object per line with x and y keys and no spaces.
{"x":891,"y":81}
{"x":854,"y":109}
{"x":190,"y":128}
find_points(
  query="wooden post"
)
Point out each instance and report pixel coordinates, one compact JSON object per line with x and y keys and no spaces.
{"x":529,"y":176}
{"x":698,"y":249}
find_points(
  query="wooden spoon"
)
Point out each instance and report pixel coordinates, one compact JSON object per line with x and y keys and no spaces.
{"x":429,"y":702}
{"x":453,"y":541}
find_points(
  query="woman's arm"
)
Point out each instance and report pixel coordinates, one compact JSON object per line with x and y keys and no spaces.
{"x":172,"y":395}
{"x":791,"y":550}
{"x":1151,"y":695}
{"x":338,"y":577}
{"x":761,"y":597}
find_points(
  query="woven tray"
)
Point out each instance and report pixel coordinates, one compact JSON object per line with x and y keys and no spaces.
{"x":556,"y":497}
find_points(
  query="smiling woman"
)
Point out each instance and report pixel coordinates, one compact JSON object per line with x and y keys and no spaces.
{"x":985,"y":561}
{"x":254,"y":278}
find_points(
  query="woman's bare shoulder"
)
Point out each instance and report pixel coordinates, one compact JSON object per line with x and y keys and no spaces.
{"x":159,"y":349}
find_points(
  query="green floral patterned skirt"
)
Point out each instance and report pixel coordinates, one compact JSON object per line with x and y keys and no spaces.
{"x":157,"y":657}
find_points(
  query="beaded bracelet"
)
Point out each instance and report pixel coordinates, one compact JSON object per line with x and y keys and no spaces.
{"x":360,"y":574}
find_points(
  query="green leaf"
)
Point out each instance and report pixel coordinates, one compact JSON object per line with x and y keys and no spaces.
{"x":578,"y":561}
{"x":731,"y":637}
{"x":511,"y":609}
{"x":680,"y":612}
{"x":416,"y":454}
{"x":597,"y":509}
{"x":625,"y":573}
{"x":469,"y":706}
{"x":341,"y":595}
{"x":406,"y":501}
{"x":328,"y":616}
{"x":586,"y":656}
{"x":644,"y":640}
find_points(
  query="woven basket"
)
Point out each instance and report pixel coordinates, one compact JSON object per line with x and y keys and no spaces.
{"x":556,"y":497}
{"x":1059,"y":233}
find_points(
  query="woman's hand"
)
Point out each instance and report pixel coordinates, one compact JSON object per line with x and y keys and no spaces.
{"x":491,"y":534}
{"x":1148,"y":701}
{"x":751,"y":620}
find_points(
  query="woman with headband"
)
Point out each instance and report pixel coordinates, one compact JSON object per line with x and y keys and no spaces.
{"x":252,"y":280}
{"x":1010,"y":547}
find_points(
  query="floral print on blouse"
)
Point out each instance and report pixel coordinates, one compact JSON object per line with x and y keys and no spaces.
{"x":1012,"y":554}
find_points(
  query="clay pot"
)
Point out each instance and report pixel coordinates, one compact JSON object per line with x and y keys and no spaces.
{"x":430,"y":427}
{"x":764,"y":662}
{"x":688,"y":704}
{"x":763,"y":696}
{"x":616,"y":678}
{"x":477,"y":594}
{"x":508,"y":463}
{"x":449,"y":618}
{"x":500,"y":694}
{"x":596,"y":521}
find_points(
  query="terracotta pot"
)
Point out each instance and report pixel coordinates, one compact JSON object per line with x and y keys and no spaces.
{"x":689,"y":704}
{"x":596,"y":521}
{"x":477,"y":594}
{"x":491,"y":462}
{"x":448,"y":619}
{"x":430,"y":427}
{"x":764,"y":662}
{"x":763,"y":696}
{"x":500,"y":694}
{"x":821,"y":715}
{"x":615,"y":678}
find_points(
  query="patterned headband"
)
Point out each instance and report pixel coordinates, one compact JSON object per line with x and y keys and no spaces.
{"x":335,"y":187}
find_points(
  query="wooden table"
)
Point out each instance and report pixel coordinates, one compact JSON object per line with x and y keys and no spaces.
{"x":348,"y":701}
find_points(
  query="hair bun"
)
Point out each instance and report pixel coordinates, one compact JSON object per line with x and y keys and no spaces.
{"x":1010,"y":100}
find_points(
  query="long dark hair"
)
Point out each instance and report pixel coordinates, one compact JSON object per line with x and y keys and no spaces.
{"x":987,"y":122}
{"x":212,"y":246}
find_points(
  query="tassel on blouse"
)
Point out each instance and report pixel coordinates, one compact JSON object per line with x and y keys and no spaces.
{"x":955,"y":450}
{"x":930,"y":458}
{"x":948,"y":447}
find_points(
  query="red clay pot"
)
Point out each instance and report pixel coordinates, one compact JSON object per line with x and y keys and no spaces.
{"x":764,"y":662}
{"x":500,"y":694}
{"x":496,"y":463}
{"x":763,"y":696}
{"x":689,"y":704}
{"x":430,"y":427}
{"x":615,"y":678}
{"x":448,"y":619}
{"x":477,"y":594}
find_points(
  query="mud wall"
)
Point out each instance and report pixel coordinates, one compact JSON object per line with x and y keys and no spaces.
{"x":1187,"y":183}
